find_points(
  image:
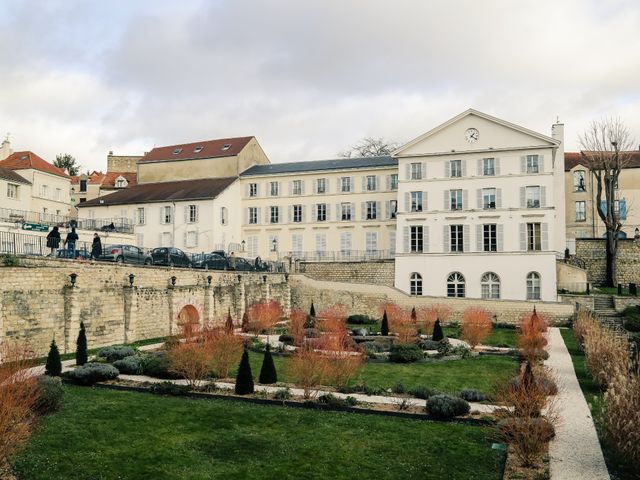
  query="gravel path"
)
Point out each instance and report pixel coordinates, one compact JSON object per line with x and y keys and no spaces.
{"x":575,"y":452}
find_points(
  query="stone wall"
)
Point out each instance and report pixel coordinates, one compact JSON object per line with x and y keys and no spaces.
{"x":365,"y":299}
{"x":373,"y":272}
{"x":39,"y":303}
{"x":593,"y":252}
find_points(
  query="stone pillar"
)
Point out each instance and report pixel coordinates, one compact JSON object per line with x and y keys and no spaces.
{"x":207,"y":305}
{"x":130,"y":297}
{"x":170,"y":308}
{"x":241,"y":300}
{"x":286,"y":296}
{"x":71,"y":318}
{"x":266,"y":290}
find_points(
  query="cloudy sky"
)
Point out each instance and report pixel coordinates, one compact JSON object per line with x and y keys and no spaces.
{"x":307,"y":78}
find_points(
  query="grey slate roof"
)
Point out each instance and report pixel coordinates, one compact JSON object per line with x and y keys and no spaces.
{"x":320,"y":165}
{"x":10,"y":175}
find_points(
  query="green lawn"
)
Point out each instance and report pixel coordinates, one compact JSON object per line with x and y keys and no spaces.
{"x":483,"y":373}
{"x":107,"y":434}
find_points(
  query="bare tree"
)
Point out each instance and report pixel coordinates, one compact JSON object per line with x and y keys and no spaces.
{"x":606,"y":148}
{"x":370,"y":147}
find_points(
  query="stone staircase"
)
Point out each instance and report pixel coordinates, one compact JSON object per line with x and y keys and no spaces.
{"x":605,"y":309}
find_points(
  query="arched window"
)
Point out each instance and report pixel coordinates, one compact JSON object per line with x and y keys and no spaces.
{"x":416,"y":284}
{"x":490,"y":285}
{"x":533,"y":286}
{"x":455,"y":285}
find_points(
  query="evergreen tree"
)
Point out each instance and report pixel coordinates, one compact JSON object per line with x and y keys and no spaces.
{"x":245,"y":321}
{"x":437,"y":331}
{"x":81,"y":346}
{"x":268,"y":373}
{"x":229,"y":323}
{"x":312,"y":310}
{"x":54,"y":366}
{"x":244,"y":378}
{"x":414,"y":316}
{"x":384,"y":328}
{"x":311,"y":318}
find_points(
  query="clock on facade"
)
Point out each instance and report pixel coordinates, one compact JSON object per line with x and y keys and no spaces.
{"x":472,"y":135}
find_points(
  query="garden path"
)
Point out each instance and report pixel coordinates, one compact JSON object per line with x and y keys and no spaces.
{"x":575,"y":451}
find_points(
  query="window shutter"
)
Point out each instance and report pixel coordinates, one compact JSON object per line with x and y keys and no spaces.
{"x":267,"y":215}
{"x":387,"y":209}
{"x":425,"y":235}
{"x":257,"y":189}
{"x":407,"y":202}
{"x":186,"y":213}
{"x":352,"y":184}
{"x":197,"y":237}
{"x":523,"y":200}
{"x":338,"y":212}
{"x":314,"y":212}
{"x":290,"y":209}
{"x":290,"y":188}
{"x":184,"y":239}
{"x":541,"y":163}
{"x":447,"y":201}
{"x":623,"y":209}
{"x":447,"y":168}
{"x":304,"y":213}
{"x":408,"y":170}
{"x":258,"y":213}
{"x":544,"y":236}
{"x":135,"y":216}
{"x":338,"y":185}
{"x":480,"y":166}
{"x":302,"y":182}
{"x":353,"y":211}
{"x":523,"y":237}
{"x":498,"y":198}
{"x":496,"y":166}
{"x":364,"y":183}
{"x":246,"y":216}
{"x":316,"y":184}
{"x":479,"y":198}
{"x":247,"y":190}
{"x":446,"y":240}
{"x":479,"y":238}
{"x":363,"y":210}
{"x":160,"y":240}
{"x":424,"y":201}
{"x":465,"y":199}
{"x":424,"y":170}
{"x":378,"y":210}
{"x":407,"y":240}
{"x":388,"y":182}
{"x":466,"y":243}
{"x":523,"y":164}
{"x":328,"y":210}
{"x":377,"y":185}
{"x":464,"y":168}
{"x":500,"y":239}
{"x":543,"y":196}
{"x":161,"y":215}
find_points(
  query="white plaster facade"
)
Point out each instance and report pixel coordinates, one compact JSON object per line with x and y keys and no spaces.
{"x":478,"y":216}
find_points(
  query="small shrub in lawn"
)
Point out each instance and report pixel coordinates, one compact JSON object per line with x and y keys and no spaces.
{"x":81,"y":346}
{"x":423,"y":392}
{"x":54,"y":365}
{"x":130,"y":365}
{"x":332,"y":400}
{"x":286,"y":338}
{"x":244,"y":378}
{"x":10,"y":261}
{"x":399,"y":388}
{"x":117,"y":352}
{"x":361,"y":320}
{"x":268,"y":373}
{"x":351,"y":401}
{"x":632,"y":324}
{"x":50,"y":395}
{"x":403,"y":404}
{"x":437,"y":332}
{"x":461,"y":350}
{"x":472,"y":395}
{"x":444,"y":347}
{"x":384,"y":327}
{"x":169,"y":388}
{"x":426,"y":344}
{"x":91,"y":373}
{"x":370,"y":390}
{"x":157,"y":365}
{"x":405,"y":353}
{"x":446,"y":406}
{"x":282,"y":394}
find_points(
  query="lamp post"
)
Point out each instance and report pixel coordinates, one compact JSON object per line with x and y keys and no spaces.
{"x":131,"y":279}
{"x":243,"y":243}
{"x":275,"y":245}
{"x":264,"y":278}
{"x":73,"y":277}
{"x":173,"y":280}
{"x":209,"y":277}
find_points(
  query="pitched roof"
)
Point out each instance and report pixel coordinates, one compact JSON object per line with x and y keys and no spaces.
{"x":10,"y":175}
{"x":201,"y":189}
{"x":94,"y":178}
{"x":319,"y":165}
{"x":223,"y":147}
{"x":26,"y":160}
{"x":109,"y":180}
{"x":571,"y":159}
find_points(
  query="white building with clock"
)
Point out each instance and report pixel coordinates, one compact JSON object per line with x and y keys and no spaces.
{"x":480,"y":210}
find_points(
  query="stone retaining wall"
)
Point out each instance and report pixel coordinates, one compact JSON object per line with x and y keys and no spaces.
{"x":593,"y":252}
{"x":373,"y":272}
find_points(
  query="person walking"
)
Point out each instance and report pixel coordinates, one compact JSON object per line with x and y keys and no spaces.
{"x":232,"y":261}
{"x":53,"y":239}
{"x":96,"y":247}
{"x":70,"y":243}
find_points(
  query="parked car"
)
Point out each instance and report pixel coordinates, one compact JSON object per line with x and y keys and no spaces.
{"x":125,"y":254}
{"x":82,"y":254}
{"x":170,"y":256}
{"x":243,"y":265}
{"x":213,"y":261}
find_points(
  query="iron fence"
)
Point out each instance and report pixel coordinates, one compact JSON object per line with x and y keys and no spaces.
{"x":339,"y":256}
{"x":123,"y":225}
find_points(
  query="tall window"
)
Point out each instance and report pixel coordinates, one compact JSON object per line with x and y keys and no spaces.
{"x":83,"y":185}
{"x":416,"y":201}
{"x":297,"y":187}
{"x":141,"y":216}
{"x":371,"y":183}
{"x":417,"y":238}
{"x":371,"y":242}
{"x":321,"y":212}
{"x":488,"y":166}
{"x":579,"y":184}
{"x":416,"y":171}
{"x":253,"y":189}
{"x":490,"y":243}
{"x":490,"y":285}
{"x":345,"y":211}
{"x":533,"y":286}
{"x":193,"y":214}
{"x":253,"y":215}
{"x":345,"y":184}
{"x":533,"y":197}
{"x":416,"y":284}
{"x":534,"y":237}
{"x":372,"y":212}
{"x":533,"y":165}
{"x":296,"y":244}
{"x":12,"y":190}
{"x":321,"y":185}
{"x":274,"y":189}
{"x":167,"y":216}
{"x":45,"y":191}
{"x":393,"y":208}
{"x":456,"y":199}
{"x":58,"y":193}
{"x":394,"y":181}
{"x":455,"y":285}
{"x":488,"y":198}
{"x":321,"y":244}
{"x":345,"y":243}
{"x":456,"y":238}
{"x":581,"y":211}
{"x":297,"y":213}
{"x":274,"y":214}
{"x":456,"y":168}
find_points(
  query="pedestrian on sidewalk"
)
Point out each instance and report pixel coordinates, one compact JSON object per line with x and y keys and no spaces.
{"x":96,"y":247}
{"x":70,"y":243}
{"x":53,"y":239}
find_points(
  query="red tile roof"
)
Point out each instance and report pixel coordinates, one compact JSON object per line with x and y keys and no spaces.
{"x":94,"y":178}
{"x":571,"y":159}
{"x":206,"y":149}
{"x":109,"y":180}
{"x":26,"y":160}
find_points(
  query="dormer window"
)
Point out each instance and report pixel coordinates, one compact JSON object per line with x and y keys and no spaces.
{"x":226,"y":146}
{"x":121,"y":182}
{"x":177,"y":151}
{"x":24,"y":157}
{"x":197,"y":149}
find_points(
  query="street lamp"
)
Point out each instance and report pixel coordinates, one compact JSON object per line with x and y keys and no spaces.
{"x":243,"y":243}
{"x":209,"y":277}
{"x":131,"y":278}
{"x":73,"y":278}
{"x":275,"y":244}
{"x":173,"y":280}
{"x":264,"y":278}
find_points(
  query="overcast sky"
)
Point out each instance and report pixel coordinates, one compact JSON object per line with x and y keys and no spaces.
{"x":307,"y":78}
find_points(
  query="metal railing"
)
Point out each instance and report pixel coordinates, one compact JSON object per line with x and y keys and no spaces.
{"x":572,"y":260}
{"x":339,"y":256}
{"x":123,"y":225}
{"x":23,"y":244}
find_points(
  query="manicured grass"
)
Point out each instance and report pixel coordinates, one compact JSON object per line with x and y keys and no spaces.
{"x":483,"y":373}
{"x":106,"y":434}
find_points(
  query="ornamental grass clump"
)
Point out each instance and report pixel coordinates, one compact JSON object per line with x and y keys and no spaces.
{"x":606,"y":355}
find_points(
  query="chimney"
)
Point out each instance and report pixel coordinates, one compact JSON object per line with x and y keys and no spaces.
{"x":5,"y":148}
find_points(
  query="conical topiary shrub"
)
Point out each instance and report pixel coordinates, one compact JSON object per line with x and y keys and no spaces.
{"x":268,"y":373}
{"x":437,"y":331}
{"x":244,"y":378}
{"x":81,"y":346}
{"x":311,"y":318}
{"x":384,"y":328}
{"x":414,"y":316}
{"x":245,"y":322}
{"x":312,"y":310}
{"x":54,"y":365}
{"x":228,"y":326}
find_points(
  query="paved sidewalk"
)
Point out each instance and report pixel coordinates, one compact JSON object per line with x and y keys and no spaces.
{"x":575,"y":451}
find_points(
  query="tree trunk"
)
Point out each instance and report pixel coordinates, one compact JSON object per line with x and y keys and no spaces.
{"x":612,"y":250}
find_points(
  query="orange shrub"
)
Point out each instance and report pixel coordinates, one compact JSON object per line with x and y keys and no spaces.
{"x":476,"y":326}
{"x":297,"y":319}
{"x":225,"y":349}
{"x":332,"y":322}
{"x":343,"y":365}
{"x":531,"y":338}
{"x":308,"y":368}
{"x":191,"y":360}
{"x":263,"y":316}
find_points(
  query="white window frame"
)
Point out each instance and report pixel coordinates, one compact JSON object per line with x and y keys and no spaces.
{"x":274,"y":214}
{"x":534,"y":237}
{"x":417,"y":203}
{"x":456,"y":238}
{"x":393,"y":182}
{"x":489,"y":237}
{"x":345,"y":212}
{"x":345,"y":184}
{"x":253,"y":189}
{"x":167,"y":215}
{"x":141,"y":216}
{"x":192,"y":214}
{"x":274,"y":189}
{"x":371,"y":242}
{"x":489,"y":196}
{"x":321,"y":185}
{"x":456,"y":285}
{"x":581,"y":213}
{"x":371,"y":183}
{"x":533,"y":196}
{"x":321,"y":212}
{"x":456,"y":199}
{"x":12,"y":191}
{"x":534,"y":286}
{"x":296,"y":187}
{"x":577,"y":176}
{"x":533,"y":164}
{"x":416,"y":171}
{"x":416,"y":238}
{"x":455,"y":167}
{"x":488,"y":167}
{"x":372,"y":212}
{"x":490,"y":286}
{"x":297,"y":213}
{"x":253,"y":215}
{"x":415,"y":284}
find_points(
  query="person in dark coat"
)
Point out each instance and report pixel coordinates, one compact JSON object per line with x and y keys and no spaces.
{"x":53,"y":239}
{"x":96,"y":247}
{"x":70,"y":242}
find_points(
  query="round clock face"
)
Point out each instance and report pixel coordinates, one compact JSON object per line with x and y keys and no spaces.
{"x":472,"y":135}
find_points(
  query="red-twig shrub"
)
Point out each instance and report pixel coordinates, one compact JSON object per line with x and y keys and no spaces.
{"x":476,"y":326}
{"x":190,"y":360}
{"x":263,"y":316}
{"x":225,"y":349}
{"x":309,"y":368}
{"x":531,"y":337}
{"x":297,"y":320}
